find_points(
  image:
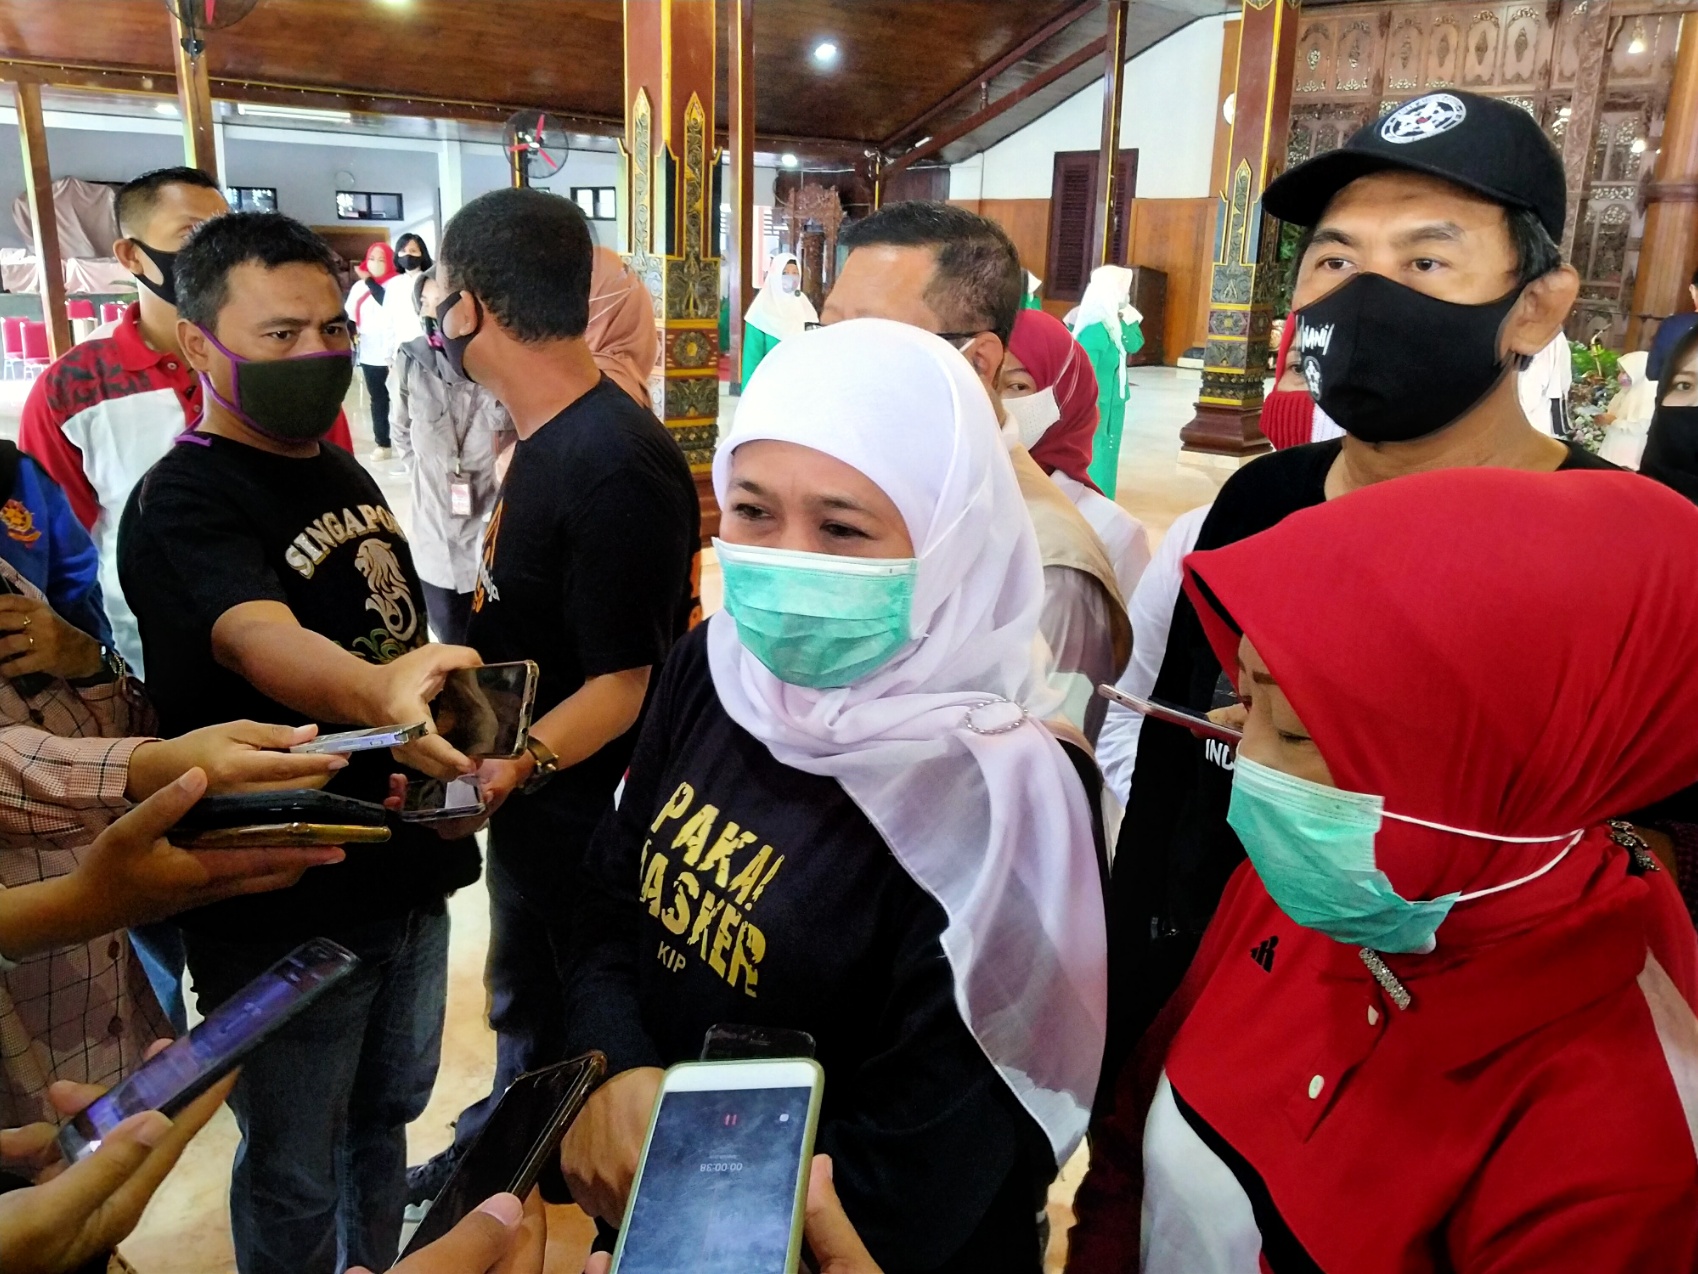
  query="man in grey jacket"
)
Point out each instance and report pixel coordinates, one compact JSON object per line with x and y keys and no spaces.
{"x":450,"y":429}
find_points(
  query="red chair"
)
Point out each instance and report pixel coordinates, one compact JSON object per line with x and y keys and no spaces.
{"x":12,"y":342}
{"x":79,"y":307}
{"x":111,"y":312}
{"x":36,"y":357}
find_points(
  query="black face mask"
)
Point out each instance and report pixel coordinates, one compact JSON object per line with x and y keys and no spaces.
{"x":410,"y":261}
{"x":1391,"y":364}
{"x":166,"y":262}
{"x":290,"y":399}
{"x":1671,"y":449}
{"x":454,"y":347}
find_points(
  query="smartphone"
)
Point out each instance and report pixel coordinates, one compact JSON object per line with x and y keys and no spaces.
{"x":1192,"y":721}
{"x":510,"y":1151}
{"x":212,"y":1049}
{"x":300,"y":816}
{"x":732,"y":1041}
{"x":486,"y":712}
{"x":383,"y":736}
{"x":432,"y":800}
{"x":27,"y":684}
{"x":724,"y":1174}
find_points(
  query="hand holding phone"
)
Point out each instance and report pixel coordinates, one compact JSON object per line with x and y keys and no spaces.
{"x":371,"y":740}
{"x":191,"y":1065}
{"x":509,"y":1152}
{"x":485,"y":712}
{"x":303,"y":816}
{"x":725,"y":1170}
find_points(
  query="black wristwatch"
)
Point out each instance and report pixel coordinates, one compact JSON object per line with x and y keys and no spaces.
{"x":547,"y":764}
{"x":112,"y":668}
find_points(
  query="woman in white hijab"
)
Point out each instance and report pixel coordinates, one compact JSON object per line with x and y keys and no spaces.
{"x":1107,"y":325}
{"x":779,"y":311}
{"x":843,"y":816}
{"x":1629,"y":413}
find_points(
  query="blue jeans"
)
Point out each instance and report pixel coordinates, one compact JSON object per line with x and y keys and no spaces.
{"x":320,"y":1176}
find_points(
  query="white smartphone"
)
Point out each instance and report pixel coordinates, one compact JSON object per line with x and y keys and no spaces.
{"x":382,"y":736}
{"x":724,"y":1176}
{"x":1192,"y":721}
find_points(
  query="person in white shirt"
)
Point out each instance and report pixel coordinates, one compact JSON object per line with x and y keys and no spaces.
{"x":1543,"y":387}
{"x":376,"y":343}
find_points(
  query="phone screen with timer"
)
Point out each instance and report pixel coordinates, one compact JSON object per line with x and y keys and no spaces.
{"x":724,"y":1175}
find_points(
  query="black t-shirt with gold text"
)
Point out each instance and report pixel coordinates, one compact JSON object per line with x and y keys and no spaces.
{"x":729,"y":888}
{"x":217,"y":523}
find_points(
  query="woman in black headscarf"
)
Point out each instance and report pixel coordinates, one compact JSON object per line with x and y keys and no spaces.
{"x":1671,"y":447}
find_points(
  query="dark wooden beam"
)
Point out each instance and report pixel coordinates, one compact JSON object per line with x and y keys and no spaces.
{"x":38,"y":190}
{"x":740,"y":89}
{"x":1114,"y":72}
{"x":979,"y":119}
{"x":980,"y":83}
{"x":194,"y":99}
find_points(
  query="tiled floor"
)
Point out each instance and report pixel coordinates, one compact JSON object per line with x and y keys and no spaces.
{"x":186,"y":1228}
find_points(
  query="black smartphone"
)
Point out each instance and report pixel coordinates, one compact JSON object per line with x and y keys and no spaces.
{"x":509,"y":1153}
{"x":211,"y":1050}
{"x":732,"y":1041}
{"x":297,"y":816}
{"x":433,"y":801}
{"x":1195,"y":722}
{"x":486,"y":712}
{"x":27,"y":684}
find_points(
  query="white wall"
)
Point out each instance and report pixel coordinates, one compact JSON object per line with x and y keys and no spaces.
{"x":307,"y":177}
{"x":1167,"y":113}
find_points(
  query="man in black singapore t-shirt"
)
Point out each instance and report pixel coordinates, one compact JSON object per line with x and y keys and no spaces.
{"x":1430,"y":272}
{"x":587,"y":568}
{"x":271,"y":581}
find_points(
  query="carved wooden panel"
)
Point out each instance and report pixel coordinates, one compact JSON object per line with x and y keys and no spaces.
{"x":1480,"y":49}
{"x":1444,"y":50}
{"x":1405,"y":54}
{"x":1314,"y":58}
{"x":1526,"y":46}
{"x":1356,"y":61}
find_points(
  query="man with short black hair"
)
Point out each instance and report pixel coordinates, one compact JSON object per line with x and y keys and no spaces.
{"x":587,"y":569}
{"x":949,"y":271}
{"x":1430,"y":275}
{"x":271,"y":581}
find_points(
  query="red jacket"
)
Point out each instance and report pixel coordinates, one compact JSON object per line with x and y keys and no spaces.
{"x":1534,"y":1109}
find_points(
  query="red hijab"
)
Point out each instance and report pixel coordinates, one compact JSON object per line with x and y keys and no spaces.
{"x":388,"y":254}
{"x":1488,"y":649}
{"x":1057,"y":361}
{"x":1288,"y":415}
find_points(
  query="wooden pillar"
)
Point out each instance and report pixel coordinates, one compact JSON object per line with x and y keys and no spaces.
{"x":38,"y":189}
{"x":1244,"y":276}
{"x":194,"y":100}
{"x":1668,"y":254}
{"x":1592,"y":47}
{"x":669,"y":131}
{"x":1114,"y":68}
{"x":741,"y":239}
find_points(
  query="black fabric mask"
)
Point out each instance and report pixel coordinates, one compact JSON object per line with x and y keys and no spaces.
{"x":454,"y":347}
{"x":1671,"y":450}
{"x":166,"y":262}
{"x":1391,"y":364}
{"x":410,"y":261}
{"x":290,"y":399}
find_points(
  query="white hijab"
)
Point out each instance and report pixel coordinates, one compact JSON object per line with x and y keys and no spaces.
{"x":778,"y":313}
{"x":1108,"y":300}
{"x":994,"y":826}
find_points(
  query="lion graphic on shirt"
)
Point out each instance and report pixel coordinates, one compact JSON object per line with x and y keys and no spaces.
{"x":391,"y":597}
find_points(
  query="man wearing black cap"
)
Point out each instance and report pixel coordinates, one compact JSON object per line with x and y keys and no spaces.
{"x":1430,"y":273}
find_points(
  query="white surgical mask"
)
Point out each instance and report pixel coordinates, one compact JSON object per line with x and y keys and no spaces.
{"x":1033,"y":415}
{"x":789,"y":285}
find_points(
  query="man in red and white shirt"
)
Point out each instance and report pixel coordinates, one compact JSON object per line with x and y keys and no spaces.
{"x":100,"y":416}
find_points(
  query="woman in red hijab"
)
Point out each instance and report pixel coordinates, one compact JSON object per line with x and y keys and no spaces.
{"x":1443,"y":1019}
{"x":376,"y":340}
{"x":1290,"y":417}
{"x":1049,"y":396}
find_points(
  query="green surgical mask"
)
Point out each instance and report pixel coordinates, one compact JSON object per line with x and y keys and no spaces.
{"x":1313,"y":847}
{"x":816,"y":619}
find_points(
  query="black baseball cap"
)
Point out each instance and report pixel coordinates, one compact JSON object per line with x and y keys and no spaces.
{"x":1483,"y":144}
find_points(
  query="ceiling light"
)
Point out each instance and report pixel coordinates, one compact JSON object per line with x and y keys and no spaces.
{"x":825,"y":52}
{"x":787,"y":159}
{"x":1565,"y":112}
{"x":292,"y":112}
{"x":1638,"y":147}
{"x":1636,"y":45}
{"x":165,"y":108}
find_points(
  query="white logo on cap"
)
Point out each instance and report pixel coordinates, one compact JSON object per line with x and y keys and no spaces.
{"x":1423,"y":118}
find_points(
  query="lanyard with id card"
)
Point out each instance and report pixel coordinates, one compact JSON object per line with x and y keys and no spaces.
{"x":460,"y":484}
